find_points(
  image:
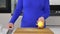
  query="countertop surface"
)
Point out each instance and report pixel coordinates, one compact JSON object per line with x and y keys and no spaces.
{"x":55,"y":29}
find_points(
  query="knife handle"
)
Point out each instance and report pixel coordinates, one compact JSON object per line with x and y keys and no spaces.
{"x":10,"y":26}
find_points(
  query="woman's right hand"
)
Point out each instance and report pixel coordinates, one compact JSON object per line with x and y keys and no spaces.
{"x":10,"y":25}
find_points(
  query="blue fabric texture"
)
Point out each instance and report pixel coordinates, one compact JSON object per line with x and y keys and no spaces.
{"x":32,"y":10}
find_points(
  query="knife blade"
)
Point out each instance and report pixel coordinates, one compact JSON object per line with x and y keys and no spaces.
{"x":10,"y":31}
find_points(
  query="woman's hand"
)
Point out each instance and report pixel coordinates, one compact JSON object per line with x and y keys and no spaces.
{"x":41,"y":19}
{"x":10,"y":25}
{"x":40,"y":22}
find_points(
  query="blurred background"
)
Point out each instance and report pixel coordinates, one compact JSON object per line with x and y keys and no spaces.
{"x":7,"y":7}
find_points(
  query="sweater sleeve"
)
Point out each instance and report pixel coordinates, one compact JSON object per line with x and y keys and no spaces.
{"x":17,"y":11}
{"x":46,"y":9}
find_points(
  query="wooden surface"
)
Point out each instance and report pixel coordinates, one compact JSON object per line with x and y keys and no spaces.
{"x":33,"y":31}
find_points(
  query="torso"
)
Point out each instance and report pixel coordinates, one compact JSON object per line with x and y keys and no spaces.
{"x":32,"y":10}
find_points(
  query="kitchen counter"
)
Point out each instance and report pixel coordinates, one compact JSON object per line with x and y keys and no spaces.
{"x":55,"y":29}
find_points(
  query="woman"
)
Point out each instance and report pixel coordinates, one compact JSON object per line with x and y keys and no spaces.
{"x":33,"y":11}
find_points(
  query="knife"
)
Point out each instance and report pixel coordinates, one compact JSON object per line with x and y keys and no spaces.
{"x":10,"y":30}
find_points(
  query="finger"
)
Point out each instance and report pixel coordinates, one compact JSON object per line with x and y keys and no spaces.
{"x":39,"y":19}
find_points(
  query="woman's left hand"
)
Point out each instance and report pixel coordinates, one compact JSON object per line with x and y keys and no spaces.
{"x":40,"y":19}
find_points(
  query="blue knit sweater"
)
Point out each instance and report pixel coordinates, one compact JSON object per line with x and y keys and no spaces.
{"x":32,"y":10}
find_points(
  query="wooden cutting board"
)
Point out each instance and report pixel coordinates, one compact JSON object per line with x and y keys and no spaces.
{"x":33,"y":31}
